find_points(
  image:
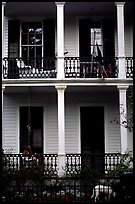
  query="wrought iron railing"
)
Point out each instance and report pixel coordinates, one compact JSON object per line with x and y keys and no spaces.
{"x":48,"y":162}
{"x":100,"y":162}
{"x":82,"y":67}
{"x":74,"y":162}
{"x":29,"y":68}
{"x":129,"y":67}
{"x":75,"y":67}
{"x":23,"y":181}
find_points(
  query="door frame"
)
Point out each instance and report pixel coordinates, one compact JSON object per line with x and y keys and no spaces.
{"x":18,"y":125}
{"x":104,"y":105}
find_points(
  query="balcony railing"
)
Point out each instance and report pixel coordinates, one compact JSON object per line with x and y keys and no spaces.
{"x":74,"y":162}
{"x":35,"y":178}
{"x":75,"y":67}
{"x":86,"y":68}
{"x":29,"y":68}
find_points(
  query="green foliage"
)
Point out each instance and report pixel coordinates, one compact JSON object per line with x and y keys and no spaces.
{"x":128,"y":120}
{"x":90,"y":175}
{"x":125,"y":164}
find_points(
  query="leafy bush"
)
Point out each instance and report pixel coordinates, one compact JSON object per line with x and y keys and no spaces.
{"x":125,"y":164}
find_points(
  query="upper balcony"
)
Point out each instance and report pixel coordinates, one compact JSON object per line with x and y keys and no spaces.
{"x":75,"y":67}
{"x":33,"y":35}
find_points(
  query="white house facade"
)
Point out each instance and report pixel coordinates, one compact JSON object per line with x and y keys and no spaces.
{"x":57,"y":96}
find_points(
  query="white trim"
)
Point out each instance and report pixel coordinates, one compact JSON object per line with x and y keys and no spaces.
{"x":18,"y":130}
{"x":44,"y":132}
{"x":20,"y":44}
{"x":18,"y":124}
{"x":77,"y":37}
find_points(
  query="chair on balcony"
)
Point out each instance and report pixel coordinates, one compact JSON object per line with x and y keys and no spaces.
{"x":24,"y":69}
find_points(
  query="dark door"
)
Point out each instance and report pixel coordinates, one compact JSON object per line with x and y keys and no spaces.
{"x":31,"y":117}
{"x":92,"y":137}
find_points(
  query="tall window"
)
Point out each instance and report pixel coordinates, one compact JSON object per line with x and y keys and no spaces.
{"x":31,"y":39}
{"x":95,"y":38}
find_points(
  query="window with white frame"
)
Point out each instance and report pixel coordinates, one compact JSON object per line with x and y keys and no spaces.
{"x":31,"y":40}
{"x":95,"y":39}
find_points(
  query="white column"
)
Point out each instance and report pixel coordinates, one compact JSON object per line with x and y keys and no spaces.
{"x":3,"y":46}
{"x":60,"y":39}
{"x":121,"y":40}
{"x":123,"y":117}
{"x":61,"y":128}
{"x":3,"y":88}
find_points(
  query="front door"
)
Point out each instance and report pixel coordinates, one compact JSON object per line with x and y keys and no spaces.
{"x":31,"y":128}
{"x":92,"y":137}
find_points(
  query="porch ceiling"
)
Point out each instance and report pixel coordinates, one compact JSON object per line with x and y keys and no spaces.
{"x":70,"y":89}
{"x":71,"y":8}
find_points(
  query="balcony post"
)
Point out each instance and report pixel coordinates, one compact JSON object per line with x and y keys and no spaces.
{"x":61,"y":128}
{"x":121,"y":40}
{"x":60,"y":39}
{"x":123,"y":117}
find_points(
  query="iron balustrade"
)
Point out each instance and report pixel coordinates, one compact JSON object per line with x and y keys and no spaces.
{"x":84,"y":67}
{"x":97,"y":161}
{"x":75,"y":67}
{"x":129,"y":67}
{"x":21,"y":183}
{"x":13,"y":162}
{"x":15,"y":68}
{"x":74,"y":162}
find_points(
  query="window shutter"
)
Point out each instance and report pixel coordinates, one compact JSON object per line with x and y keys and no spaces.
{"x":49,"y":38}
{"x":84,"y":37}
{"x":13,"y":38}
{"x":13,"y":48}
{"x":108,"y":37}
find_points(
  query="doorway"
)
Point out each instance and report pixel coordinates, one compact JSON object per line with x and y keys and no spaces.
{"x":31,"y":117}
{"x":92,"y":137}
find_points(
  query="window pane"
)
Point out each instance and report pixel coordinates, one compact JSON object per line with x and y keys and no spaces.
{"x":31,"y":35}
{"x":24,"y":39}
{"x":24,"y":52}
{"x":95,"y":39}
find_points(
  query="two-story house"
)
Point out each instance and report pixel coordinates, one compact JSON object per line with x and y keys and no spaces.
{"x":65,"y":74}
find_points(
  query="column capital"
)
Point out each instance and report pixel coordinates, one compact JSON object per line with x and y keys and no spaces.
{"x":3,"y":3}
{"x":122,"y":87}
{"x":60,"y":87}
{"x":3,"y":89}
{"x":120,"y":3}
{"x":60,"y":3}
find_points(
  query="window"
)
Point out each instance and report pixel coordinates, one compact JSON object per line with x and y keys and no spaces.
{"x":95,"y":38}
{"x":31,"y":40}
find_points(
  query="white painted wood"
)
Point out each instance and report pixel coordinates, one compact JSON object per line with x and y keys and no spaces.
{"x":3,"y":4}
{"x":121,"y":39}
{"x":61,"y":127}
{"x":60,"y":39}
{"x":5,"y":37}
{"x":123,"y":117}
{"x":72,"y":120}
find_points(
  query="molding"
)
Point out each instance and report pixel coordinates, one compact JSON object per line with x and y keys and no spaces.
{"x":60,"y":3}
{"x":3,"y":89}
{"x":120,"y":3}
{"x":60,"y":87}
{"x":122,"y":87}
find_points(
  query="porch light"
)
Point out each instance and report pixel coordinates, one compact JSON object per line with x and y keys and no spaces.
{"x":65,"y":51}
